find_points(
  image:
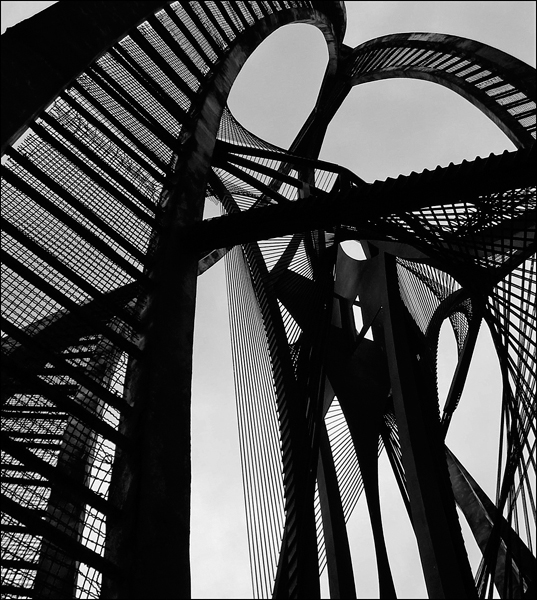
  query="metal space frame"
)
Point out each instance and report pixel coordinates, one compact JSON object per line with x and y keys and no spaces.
{"x":114,"y":132}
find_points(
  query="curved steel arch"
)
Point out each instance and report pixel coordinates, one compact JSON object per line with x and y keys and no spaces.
{"x":504,"y":89}
{"x":466,"y":340}
{"x":412,"y":206}
{"x":135,"y":123}
{"x":173,"y":309}
{"x":500,"y":85}
{"x":43,"y":55}
{"x":127,"y":127}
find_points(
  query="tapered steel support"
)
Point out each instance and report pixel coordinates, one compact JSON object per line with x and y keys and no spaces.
{"x":297,"y":575}
{"x":150,"y":485}
{"x":359,"y":382}
{"x":445,"y":563}
{"x":357,"y":372}
{"x":151,"y":482}
{"x":461,"y":372}
{"x":512,"y":561}
{"x":338,"y":557}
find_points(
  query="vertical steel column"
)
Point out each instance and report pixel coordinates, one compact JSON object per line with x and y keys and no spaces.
{"x":150,"y":539}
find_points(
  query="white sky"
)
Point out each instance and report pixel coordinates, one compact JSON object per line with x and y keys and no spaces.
{"x":383,"y":129}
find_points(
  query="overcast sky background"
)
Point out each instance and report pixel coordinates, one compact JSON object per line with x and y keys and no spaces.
{"x":383,"y":129}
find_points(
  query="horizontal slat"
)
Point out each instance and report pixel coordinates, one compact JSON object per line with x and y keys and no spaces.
{"x":53,"y":475}
{"x":38,"y":526}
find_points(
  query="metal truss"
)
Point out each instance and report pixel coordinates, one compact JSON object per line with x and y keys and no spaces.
{"x":109,"y":150}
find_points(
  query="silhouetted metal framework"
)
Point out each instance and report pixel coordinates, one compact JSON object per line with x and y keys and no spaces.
{"x":114,"y":131}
